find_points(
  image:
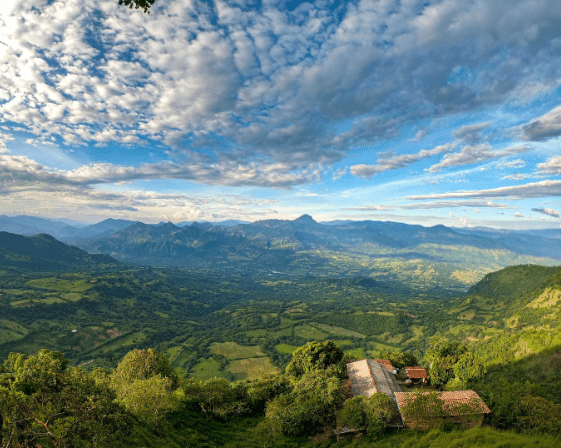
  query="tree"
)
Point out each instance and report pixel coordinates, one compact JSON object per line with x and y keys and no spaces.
{"x":146,"y":385}
{"x":138,"y":4}
{"x":378,"y":412}
{"x":48,"y":403}
{"x":423,"y":407}
{"x":444,"y":356}
{"x":522,"y":406}
{"x":150,"y":399}
{"x":142,"y":365}
{"x":469,"y":368}
{"x":315,"y":356}
{"x":218,"y":396}
{"x":353,"y":414}
{"x":309,"y":406}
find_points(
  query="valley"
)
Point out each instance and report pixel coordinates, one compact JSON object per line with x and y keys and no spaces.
{"x":242,"y":323}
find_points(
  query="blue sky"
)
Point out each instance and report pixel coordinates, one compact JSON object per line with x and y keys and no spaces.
{"x":416,"y":111}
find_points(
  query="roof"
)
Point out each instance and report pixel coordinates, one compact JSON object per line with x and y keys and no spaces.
{"x":368,"y":377}
{"x":386,"y":363}
{"x":416,"y":372}
{"x":450,"y":399}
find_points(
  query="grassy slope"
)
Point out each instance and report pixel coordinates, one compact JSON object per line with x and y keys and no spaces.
{"x":194,"y":430}
{"x":510,"y":314}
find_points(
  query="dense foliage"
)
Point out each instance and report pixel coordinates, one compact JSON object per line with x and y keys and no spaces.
{"x":45,"y":402}
{"x":316,"y":356}
{"x":173,"y":357}
{"x":452,"y":365}
{"x":372,"y":413}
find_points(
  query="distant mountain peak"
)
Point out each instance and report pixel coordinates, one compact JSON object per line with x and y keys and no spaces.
{"x":166,"y":225}
{"x":305,"y":219}
{"x":202,"y":225}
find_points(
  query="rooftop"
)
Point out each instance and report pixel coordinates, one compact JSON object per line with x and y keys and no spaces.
{"x":450,"y":400}
{"x":369,"y":376}
{"x":386,"y":363}
{"x":416,"y":372}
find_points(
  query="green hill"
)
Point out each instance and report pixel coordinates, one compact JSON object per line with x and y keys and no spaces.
{"x":510,"y":314}
{"x":43,"y":252}
{"x":512,"y":282}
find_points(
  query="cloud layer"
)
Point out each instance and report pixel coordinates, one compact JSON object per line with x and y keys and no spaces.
{"x":281,"y":96}
{"x":267,"y":79}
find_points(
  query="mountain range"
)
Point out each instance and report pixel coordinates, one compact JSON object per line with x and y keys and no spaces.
{"x":396,"y":251}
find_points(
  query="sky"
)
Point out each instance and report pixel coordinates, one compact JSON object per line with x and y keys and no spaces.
{"x":426,"y":112}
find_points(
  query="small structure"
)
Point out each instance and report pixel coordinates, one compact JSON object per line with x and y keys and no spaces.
{"x":417,"y":374}
{"x":461,"y":407}
{"x":342,"y":432}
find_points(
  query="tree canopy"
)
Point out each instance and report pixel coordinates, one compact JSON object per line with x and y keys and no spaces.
{"x":453,"y":365}
{"x":314,"y":356}
{"x":146,"y":384}
{"x":44,"y":402}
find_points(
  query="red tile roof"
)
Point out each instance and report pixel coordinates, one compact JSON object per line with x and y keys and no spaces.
{"x":386,"y":363}
{"x":450,"y":399}
{"x":416,"y":372}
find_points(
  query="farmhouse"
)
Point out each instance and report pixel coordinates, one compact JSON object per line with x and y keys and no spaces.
{"x":462,"y":407}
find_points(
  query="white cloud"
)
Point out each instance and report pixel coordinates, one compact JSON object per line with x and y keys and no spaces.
{"x":551,"y":166}
{"x":420,"y":135}
{"x":518,"y":163}
{"x":516,"y":176}
{"x":454,"y":204}
{"x":474,"y":154}
{"x":371,"y":208}
{"x":518,"y":215}
{"x":547,"y":211}
{"x":540,"y":189}
{"x":400,"y":161}
{"x":340,"y":173}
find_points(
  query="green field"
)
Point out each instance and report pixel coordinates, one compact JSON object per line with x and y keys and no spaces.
{"x":338,"y":331}
{"x":127,"y":340}
{"x":285,"y":348}
{"x":251,"y":368}
{"x":207,"y":369}
{"x":309,"y":332}
{"x":62,"y":285}
{"x":232,"y":350}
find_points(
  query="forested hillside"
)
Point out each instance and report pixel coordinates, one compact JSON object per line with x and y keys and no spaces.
{"x":43,"y":252}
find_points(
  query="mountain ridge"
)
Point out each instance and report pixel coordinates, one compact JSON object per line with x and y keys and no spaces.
{"x":43,"y":251}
